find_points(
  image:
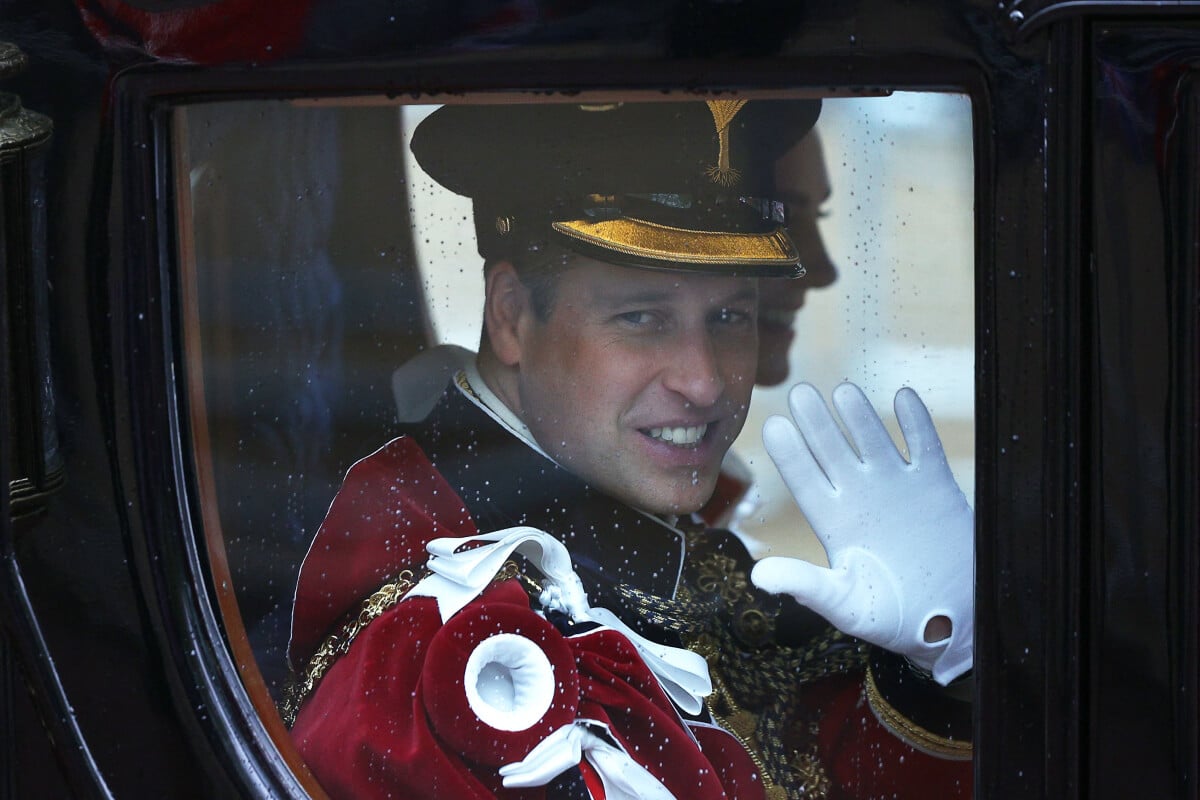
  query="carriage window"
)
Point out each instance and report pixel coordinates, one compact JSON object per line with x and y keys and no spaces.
{"x":638,"y":323}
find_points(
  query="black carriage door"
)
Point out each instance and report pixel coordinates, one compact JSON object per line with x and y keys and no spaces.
{"x":1141,"y":188}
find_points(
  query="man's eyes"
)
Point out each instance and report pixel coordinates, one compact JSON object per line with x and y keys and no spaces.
{"x":636,"y":318}
{"x":732,"y":316}
{"x":650,"y":320}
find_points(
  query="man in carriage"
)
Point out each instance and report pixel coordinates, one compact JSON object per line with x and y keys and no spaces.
{"x":516,"y":598}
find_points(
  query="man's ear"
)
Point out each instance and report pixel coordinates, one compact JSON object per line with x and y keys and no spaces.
{"x":505,"y":307}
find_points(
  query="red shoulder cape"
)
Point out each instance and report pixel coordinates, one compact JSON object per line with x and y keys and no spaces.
{"x":389,"y":717}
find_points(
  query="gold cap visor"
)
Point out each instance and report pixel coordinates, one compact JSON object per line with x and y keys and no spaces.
{"x":658,"y":246}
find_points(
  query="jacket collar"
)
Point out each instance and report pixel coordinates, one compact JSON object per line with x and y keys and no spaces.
{"x":504,"y":480}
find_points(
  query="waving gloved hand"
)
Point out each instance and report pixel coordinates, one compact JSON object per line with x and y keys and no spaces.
{"x":899,"y":534}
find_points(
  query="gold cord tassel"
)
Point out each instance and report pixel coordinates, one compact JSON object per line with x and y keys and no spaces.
{"x":723,"y":112}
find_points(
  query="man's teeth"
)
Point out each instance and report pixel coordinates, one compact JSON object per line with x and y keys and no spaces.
{"x":680,"y":436}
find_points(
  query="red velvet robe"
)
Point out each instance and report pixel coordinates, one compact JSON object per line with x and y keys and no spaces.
{"x":389,"y":718}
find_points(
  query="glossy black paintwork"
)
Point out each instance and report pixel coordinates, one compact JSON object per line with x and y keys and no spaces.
{"x":1086,"y":369}
{"x":1142,"y":594}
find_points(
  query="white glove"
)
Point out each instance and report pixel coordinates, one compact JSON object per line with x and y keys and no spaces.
{"x":900,"y":536}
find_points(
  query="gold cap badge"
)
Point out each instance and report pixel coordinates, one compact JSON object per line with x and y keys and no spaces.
{"x":723,"y":112}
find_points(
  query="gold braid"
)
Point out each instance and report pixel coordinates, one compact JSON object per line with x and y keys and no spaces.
{"x":300,"y":687}
{"x":766,"y":679}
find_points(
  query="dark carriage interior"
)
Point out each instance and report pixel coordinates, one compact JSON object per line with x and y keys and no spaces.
{"x":300,"y":309}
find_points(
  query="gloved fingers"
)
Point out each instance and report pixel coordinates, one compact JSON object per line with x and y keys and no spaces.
{"x":823,"y":590}
{"x":924,"y":445}
{"x":870,"y":436}
{"x":795,"y":462}
{"x":829,"y":446}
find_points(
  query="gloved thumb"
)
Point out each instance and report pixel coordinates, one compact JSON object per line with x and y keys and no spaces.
{"x":819,"y":588}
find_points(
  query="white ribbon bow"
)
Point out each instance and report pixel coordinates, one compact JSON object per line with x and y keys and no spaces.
{"x":623,"y":778}
{"x":458,"y":577}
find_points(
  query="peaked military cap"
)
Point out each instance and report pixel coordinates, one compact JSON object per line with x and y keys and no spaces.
{"x":668,"y":185}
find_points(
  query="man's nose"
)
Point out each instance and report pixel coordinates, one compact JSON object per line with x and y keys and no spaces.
{"x":693,"y":371}
{"x":819,"y":267}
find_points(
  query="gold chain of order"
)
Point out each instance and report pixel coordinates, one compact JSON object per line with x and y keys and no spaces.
{"x":787,"y":773}
{"x":338,"y":643}
{"x":738,"y":722}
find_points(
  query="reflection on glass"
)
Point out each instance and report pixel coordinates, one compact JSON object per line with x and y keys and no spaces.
{"x":898,"y":226}
{"x":888,"y":229}
{"x":300,"y":289}
{"x":334,"y":294}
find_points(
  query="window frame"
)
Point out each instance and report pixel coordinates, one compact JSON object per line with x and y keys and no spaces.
{"x":153,"y":444}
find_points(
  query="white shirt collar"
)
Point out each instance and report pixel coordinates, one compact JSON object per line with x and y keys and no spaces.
{"x":475,"y":388}
{"x":416,"y":386}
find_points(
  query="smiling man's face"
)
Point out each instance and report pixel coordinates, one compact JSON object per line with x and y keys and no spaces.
{"x":639,"y":380}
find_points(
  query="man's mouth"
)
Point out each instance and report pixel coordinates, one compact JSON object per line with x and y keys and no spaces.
{"x":689,"y":436}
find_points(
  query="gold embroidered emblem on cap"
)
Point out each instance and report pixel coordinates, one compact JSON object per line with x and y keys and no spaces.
{"x":723,"y":112}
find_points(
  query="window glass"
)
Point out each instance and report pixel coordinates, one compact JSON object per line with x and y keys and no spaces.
{"x":299,"y":297}
{"x":318,"y":258}
{"x":883,"y":205}
{"x":899,"y":230}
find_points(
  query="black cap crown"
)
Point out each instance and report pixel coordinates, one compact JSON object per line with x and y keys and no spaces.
{"x":670,"y":185}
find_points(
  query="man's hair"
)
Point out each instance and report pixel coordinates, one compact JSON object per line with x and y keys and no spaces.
{"x":538,"y":264}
